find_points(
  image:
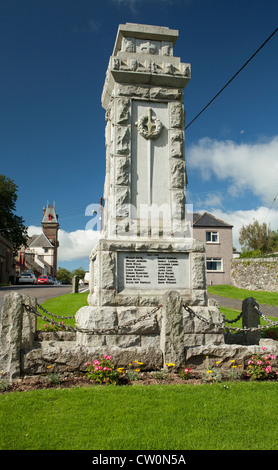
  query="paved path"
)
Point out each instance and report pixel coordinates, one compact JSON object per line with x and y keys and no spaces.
{"x":236,"y":304}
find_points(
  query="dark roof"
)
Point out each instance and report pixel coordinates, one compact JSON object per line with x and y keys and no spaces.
{"x":208,"y":220}
{"x":40,"y":240}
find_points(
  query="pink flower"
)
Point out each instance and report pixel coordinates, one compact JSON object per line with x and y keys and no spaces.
{"x":88,"y":364}
{"x":96,"y":362}
{"x":107,"y":357}
{"x":106,"y":368}
{"x":268,"y":369}
{"x":264,"y":348}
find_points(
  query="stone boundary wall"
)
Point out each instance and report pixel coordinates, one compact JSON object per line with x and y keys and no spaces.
{"x":255,"y":274}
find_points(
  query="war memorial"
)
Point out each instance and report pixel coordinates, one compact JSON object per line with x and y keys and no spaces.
{"x":147,"y":292}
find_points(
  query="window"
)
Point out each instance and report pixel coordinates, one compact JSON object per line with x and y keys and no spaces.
{"x":46,"y":250}
{"x":212,"y":237}
{"x":214,"y":264}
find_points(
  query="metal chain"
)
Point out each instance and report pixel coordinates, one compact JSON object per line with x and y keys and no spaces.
{"x":53,"y":314}
{"x":273,"y":323}
{"x":133,"y":322}
{"x":229,"y":328}
{"x":90,"y":332}
{"x":201,"y":318}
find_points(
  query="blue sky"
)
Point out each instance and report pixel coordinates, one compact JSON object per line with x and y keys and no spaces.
{"x":54,"y":55}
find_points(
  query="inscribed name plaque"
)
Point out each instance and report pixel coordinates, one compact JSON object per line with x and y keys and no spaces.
{"x":153,"y":270}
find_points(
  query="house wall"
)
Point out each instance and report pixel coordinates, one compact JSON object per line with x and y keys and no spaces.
{"x":6,"y":260}
{"x":223,"y":250}
{"x":47,"y":256}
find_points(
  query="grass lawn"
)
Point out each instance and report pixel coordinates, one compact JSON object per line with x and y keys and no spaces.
{"x":157,"y":417}
{"x":66,"y":305}
{"x":262,"y":297}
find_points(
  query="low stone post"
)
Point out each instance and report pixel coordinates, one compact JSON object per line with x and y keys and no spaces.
{"x":29,"y":322}
{"x":10,"y":336}
{"x":17,"y":330}
{"x":250,"y":318}
{"x":75,"y":284}
{"x":172,"y":331}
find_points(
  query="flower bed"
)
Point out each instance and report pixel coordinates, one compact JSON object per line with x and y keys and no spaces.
{"x":102,"y":371}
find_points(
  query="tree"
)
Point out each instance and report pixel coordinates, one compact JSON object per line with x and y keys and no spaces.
{"x":80,"y":272}
{"x":256,"y":236}
{"x":11,"y":225}
{"x":64,"y":275}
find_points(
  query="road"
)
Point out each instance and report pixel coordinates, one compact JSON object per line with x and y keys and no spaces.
{"x":41,"y":293}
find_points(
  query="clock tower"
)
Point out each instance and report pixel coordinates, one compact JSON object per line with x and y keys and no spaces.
{"x":50,"y":227}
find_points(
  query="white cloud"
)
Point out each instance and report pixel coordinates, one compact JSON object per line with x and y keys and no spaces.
{"x":33,"y":230}
{"x":75,"y":245}
{"x":252,"y":166}
{"x":72,"y":245}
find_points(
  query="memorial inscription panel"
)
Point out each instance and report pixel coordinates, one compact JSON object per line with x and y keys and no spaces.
{"x":153,"y":270}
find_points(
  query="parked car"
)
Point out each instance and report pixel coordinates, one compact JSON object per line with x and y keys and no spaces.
{"x":45,"y":279}
{"x":27,"y":278}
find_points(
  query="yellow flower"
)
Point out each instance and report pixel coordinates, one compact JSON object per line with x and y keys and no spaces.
{"x":233,"y":360}
{"x":209,"y":371}
{"x":130,"y":364}
{"x":170,"y":364}
{"x":234,"y":367}
{"x":140,"y":363}
{"x":239,"y":365}
{"x":137,"y":370}
{"x":218,"y":362}
{"x":48,"y":367}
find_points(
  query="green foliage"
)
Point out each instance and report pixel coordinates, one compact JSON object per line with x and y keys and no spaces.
{"x":80,"y":272}
{"x":64,"y":275}
{"x":251,"y":254}
{"x":185,"y":373}
{"x":258,"y":237}
{"x":260,"y":367}
{"x":12,"y":226}
{"x":103,"y":371}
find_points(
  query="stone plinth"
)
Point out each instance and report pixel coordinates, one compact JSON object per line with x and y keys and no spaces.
{"x":139,"y":272}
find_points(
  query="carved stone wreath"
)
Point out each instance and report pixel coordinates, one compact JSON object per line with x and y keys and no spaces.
{"x":148,"y":128}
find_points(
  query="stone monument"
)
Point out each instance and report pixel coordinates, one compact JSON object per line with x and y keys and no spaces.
{"x":146,"y":247}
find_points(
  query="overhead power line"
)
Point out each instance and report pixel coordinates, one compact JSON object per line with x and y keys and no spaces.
{"x":233,"y":77}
